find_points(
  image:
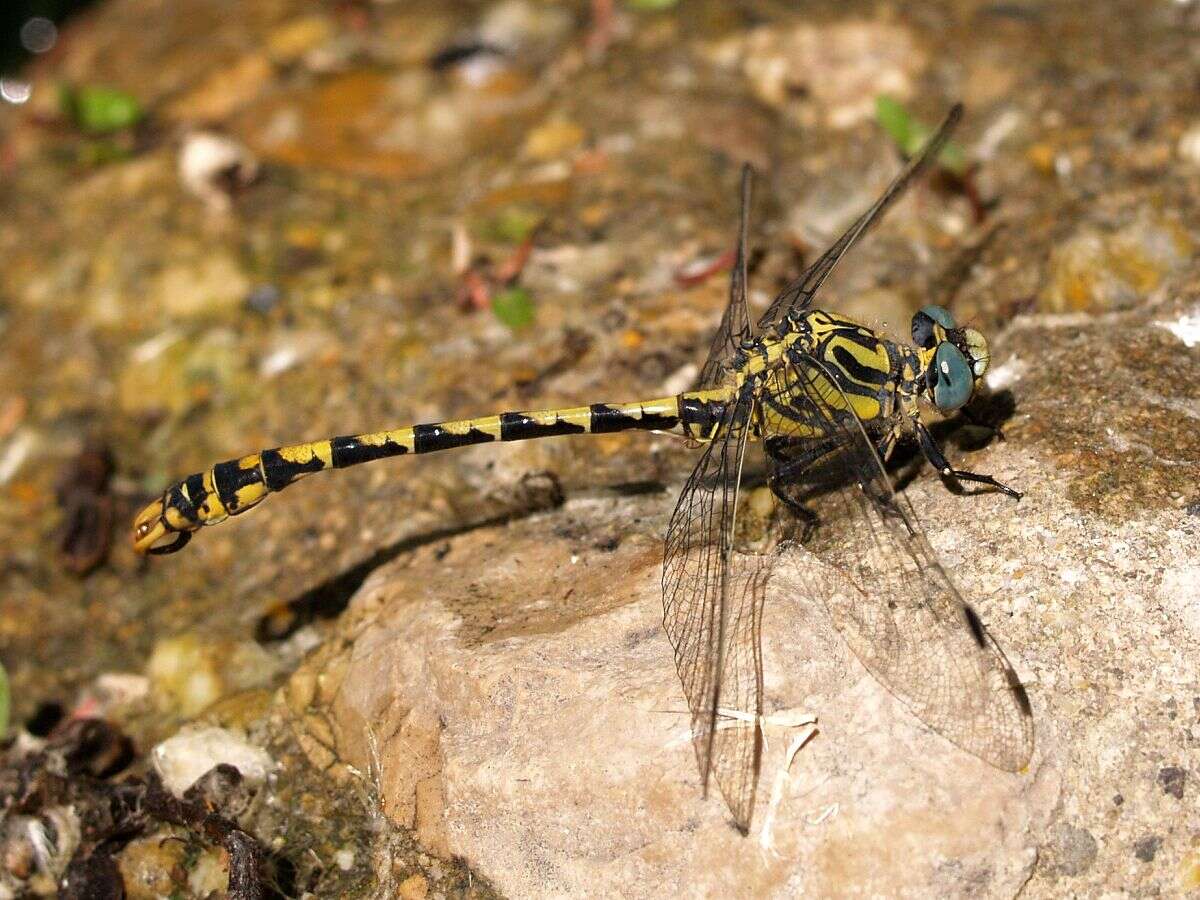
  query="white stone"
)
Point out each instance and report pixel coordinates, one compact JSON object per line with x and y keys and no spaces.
{"x":183,"y":758}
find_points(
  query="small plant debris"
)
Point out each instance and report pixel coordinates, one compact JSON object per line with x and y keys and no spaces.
{"x":484,"y":284}
{"x":909,"y":135}
{"x":87,"y":509}
{"x":63,"y":788}
{"x":700,"y":270}
{"x":99,"y":110}
{"x":513,"y":307}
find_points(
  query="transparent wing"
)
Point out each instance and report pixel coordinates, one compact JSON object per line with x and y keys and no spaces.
{"x":712,"y":612}
{"x":887,"y":594}
{"x":735,"y":323}
{"x":797,"y":295}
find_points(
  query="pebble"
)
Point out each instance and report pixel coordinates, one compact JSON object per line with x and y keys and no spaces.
{"x":215,"y":282}
{"x":212,"y":165}
{"x":188,"y":755}
{"x":293,"y":39}
{"x":1188,"y":147}
{"x":553,"y":139}
{"x":1095,"y":270}
{"x":519,"y":25}
{"x":228,"y":88}
{"x":148,"y":866}
{"x":841,"y":67}
{"x":415,"y":887}
{"x":263,"y":298}
{"x":187,"y":676}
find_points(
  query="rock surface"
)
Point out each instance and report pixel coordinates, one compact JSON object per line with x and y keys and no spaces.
{"x":515,"y":691}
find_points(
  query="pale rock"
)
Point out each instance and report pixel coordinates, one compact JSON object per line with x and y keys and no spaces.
{"x":211,"y":164}
{"x":1188,"y":147}
{"x":214,"y":283}
{"x":541,"y":734}
{"x":185,"y":757}
{"x":841,"y":67}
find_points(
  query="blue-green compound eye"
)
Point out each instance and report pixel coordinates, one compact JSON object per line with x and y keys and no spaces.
{"x":925,"y":321}
{"x":950,"y":378}
{"x":939,"y":314}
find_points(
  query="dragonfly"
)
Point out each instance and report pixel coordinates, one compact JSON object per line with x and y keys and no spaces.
{"x":828,"y":399}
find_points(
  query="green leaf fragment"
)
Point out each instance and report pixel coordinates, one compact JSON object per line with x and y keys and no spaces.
{"x":651,"y":5}
{"x":895,"y":120}
{"x":99,"y":110}
{"x":513,"y":224}
{"x":910,"y":135}
{"x":513,"y":307}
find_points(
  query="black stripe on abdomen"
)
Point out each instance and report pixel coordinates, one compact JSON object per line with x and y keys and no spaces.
{"x":349,"y":450}
{"x":607,"y":419}
{"x":515,"y":426}
{"x":429,"y":438}
{"x":281,"y":472}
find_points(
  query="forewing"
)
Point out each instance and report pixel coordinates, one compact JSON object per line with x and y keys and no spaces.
{"x":735,"y":323}
{"x":797,"y":295}
{"x":887,"y":594}
{"x":712,"y":609}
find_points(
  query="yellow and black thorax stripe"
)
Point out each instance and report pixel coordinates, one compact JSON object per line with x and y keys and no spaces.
{"x":858,"y":370}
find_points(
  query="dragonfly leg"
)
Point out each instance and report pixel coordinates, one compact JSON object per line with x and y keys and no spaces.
{"x":808,"y":518}
{"x":937,"y":459}
{"x":785,"y":466}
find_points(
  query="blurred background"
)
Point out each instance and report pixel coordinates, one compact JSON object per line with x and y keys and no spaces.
{"x":30,"y":28}
{"x":230,"y":225}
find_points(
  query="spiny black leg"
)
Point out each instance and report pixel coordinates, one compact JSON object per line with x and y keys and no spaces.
{"x":785,"y":465}
{"x":808,"y":519}
{"x":938,"y":460}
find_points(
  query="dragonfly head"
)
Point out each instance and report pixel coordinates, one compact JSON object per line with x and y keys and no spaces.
{"x":953,"y":359}
{"x":167,"y":524}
